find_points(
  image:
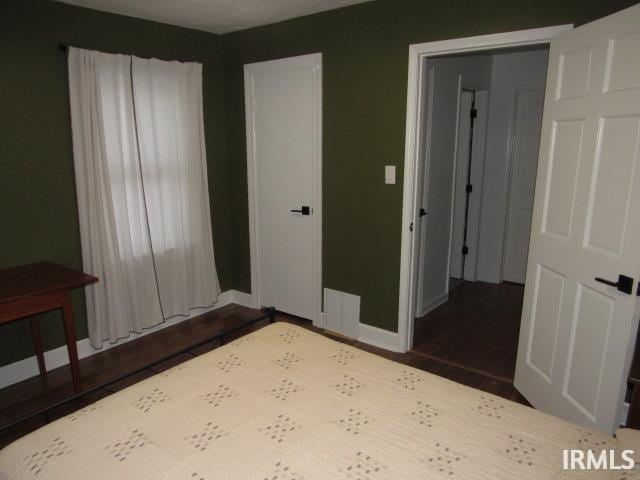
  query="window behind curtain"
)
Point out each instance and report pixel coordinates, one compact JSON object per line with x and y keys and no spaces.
{"x":143,"y":197}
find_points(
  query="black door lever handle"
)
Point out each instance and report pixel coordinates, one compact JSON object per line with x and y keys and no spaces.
{"x":422,"y":212}
{"x":303,"y":211}
{"x":624,"y":283}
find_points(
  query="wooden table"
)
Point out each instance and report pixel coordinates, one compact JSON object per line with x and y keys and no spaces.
{"x":39,"y":287}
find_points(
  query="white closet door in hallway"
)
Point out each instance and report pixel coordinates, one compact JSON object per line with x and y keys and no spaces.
{"x":524,"y":162}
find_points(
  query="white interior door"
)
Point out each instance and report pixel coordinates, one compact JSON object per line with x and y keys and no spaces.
{"x":576,"y":331}
{"x":283,"y":108}
{"x":524,"y":161}
{"x":424,"y":298}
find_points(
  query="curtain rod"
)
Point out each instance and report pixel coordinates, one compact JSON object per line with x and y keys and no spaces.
{"x":65,"y":48}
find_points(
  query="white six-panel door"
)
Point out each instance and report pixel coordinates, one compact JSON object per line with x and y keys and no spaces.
{"x":575,"y":331}
{"x":283,"y":102}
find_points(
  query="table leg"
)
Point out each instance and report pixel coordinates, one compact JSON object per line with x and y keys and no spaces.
{"x":70,"y":333}
{"x":37,"y":344}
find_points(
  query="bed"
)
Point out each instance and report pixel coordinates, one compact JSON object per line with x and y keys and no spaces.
{"x":288,"y":404}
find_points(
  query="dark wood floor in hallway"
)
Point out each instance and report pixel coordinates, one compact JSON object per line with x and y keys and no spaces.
{"x":477,"y":329}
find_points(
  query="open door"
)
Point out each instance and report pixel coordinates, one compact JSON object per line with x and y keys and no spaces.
{"x":576,"y":329}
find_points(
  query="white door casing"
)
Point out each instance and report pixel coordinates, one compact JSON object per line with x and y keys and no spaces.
{"x":524,"y":162}
{"x":283,"y":103}
{"x":576,"y":332}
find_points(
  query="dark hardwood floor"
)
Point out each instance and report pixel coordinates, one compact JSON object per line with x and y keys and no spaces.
{"x":477,"y":329}
{"x":33,"y":394}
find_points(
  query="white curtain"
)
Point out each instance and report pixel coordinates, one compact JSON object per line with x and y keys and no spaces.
{"x":142,"y":192}
{"x":168,"y":102}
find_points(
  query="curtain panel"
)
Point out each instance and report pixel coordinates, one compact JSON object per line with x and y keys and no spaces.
{"x":143,"y":200}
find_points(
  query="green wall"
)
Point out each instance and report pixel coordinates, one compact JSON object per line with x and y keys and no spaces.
{"x":38,"y":216}
{"x":365,"y":58}
{"x":365,"y":53}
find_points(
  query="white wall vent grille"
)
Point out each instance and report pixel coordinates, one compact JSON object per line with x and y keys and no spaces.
{"x":342,"y":312}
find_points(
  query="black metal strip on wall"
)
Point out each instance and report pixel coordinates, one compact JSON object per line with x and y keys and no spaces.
{"x":469,"y":188}
{"x":269,"y":313}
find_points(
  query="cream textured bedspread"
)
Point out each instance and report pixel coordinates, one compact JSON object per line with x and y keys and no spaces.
{"x":288,"y":404}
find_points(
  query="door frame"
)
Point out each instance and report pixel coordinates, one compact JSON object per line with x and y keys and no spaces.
{"x":422,"y":193}
{"x":418,"y":64}
{"x":454,"y":182}
{"x":478,"y":157}
{"x":314,"y":61}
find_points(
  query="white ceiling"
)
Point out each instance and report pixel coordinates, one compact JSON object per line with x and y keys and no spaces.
{"x":217,"y":16}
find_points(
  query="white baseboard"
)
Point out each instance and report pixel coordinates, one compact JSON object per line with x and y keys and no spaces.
{"x":240,"y":298}
{"x":320,"y":322}
{"x":23,"y":369}
{"x":433,"y":304}
{"x":381,"y":338}
{"x":624,"y":413}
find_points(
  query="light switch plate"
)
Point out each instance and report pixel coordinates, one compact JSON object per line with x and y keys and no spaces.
{"x":390,"y":174}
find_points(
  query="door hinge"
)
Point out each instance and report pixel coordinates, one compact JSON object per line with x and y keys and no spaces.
{"x":465,"y":250}
{"x":469,"y":188}
{"x":474,"y":113}
{"x":411,"y":227}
